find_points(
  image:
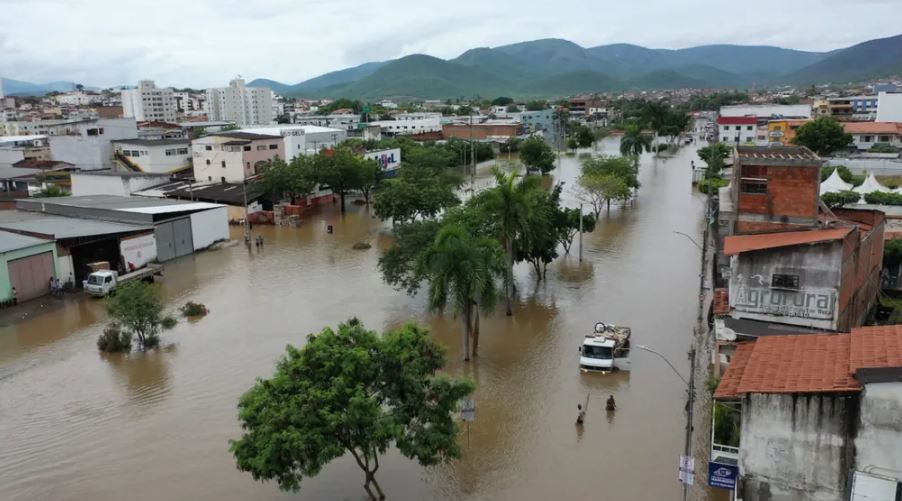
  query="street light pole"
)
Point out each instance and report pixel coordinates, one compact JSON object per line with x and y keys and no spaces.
{"x":690,"y":239}
{"x":580,"y":233}
{"x":690,"y":390}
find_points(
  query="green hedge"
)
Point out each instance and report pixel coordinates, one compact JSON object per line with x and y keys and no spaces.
{"x":880,"y":198}
{"x":834,"y":200}
{"x":713,"y":184}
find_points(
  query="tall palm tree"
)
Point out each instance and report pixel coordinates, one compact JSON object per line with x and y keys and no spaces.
{"x":461,"y":269}
{"x":509,"y":205}
{"x":655,"y":115}
{"x":634,"y":142}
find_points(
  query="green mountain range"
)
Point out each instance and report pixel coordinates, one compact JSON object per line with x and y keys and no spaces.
{"x":555,"y":67}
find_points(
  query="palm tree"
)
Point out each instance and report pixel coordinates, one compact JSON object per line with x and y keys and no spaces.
{"x":634,"y":142}
{"x":461,"y":268}
{"x":509,"y":206}
{"x":655,"y":115}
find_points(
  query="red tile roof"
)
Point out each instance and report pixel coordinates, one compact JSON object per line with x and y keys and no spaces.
{"x":889,"y":128}
{"x":876,"y":347}
{"x":806,"y":363}
{"x":737,"y":120}
{"x":731,"y":379}
{"x":736,"y":244}
{"x":721,"y":301}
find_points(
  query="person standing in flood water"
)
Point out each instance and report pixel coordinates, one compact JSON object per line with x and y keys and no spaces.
{"x":611,"y":404}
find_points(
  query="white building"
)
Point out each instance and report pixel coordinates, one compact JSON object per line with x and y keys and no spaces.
{"x":342,"y":121}
{"x":738,"y":130}
{"x":889,"y":107}
{"x":240,"y":104}
{"x":149,"y":103}
{"x":163,"y":156}
{"x":17,"y":148}
{"x":233,"y":157}
{"x":88,"y":145}
{"x":411,"y":123}
{"x":302,"y":139}
{"x":767,"y":110}
{"x":78,"y":98}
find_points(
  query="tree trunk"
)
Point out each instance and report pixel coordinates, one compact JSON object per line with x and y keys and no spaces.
{"x":509,"y":282}
{"x":476,"y":331}
{"x":609,"y":205}
{"x":376,"y":485}
{"x":466,"y":318}
{"x":341,"y":195}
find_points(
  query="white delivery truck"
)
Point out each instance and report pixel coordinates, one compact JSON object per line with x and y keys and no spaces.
{"x":607,"y":349}
{"x":102,"y":282}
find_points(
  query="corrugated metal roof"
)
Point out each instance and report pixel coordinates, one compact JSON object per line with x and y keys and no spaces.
{"x":736,"y":244}
{"x":110,"y":202}
{"x":748,"y":154}
{"x":60,"y":226}
{"x":174,"y":208}
{"x":14,"y":241}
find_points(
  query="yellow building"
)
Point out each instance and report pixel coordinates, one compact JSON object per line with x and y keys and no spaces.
{"x":783,"y":131}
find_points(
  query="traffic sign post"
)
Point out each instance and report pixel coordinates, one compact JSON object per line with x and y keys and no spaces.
{"x":687,"y":469}
{"x":468,"y":414}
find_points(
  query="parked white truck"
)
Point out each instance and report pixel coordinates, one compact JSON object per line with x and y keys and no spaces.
{"x":607,"y":349}
{"x":102,"y":282}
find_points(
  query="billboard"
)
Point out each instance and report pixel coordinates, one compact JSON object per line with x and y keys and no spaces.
{"x":813,"y":302}
{"x":138,"y":251}
{"x":388,"y":159}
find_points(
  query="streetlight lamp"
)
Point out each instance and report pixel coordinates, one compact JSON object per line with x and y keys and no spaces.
{"x":690,"y":239}
{"x":690,"y":390}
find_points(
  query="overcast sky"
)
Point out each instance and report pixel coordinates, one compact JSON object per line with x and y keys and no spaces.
{"x":202,"y":43}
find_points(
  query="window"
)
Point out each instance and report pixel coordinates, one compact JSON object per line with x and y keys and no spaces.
{"x":261,"y":147}
{"x":867,"y":139}
{"x":209,"y":178}
{"x":749,"y":139}
{"x":208,"y":148}
{"x":749,"y":127}
{"x":223,"y":163}
{"x":247,"y":148}
{"x":784,"y":281}
{"x":183,"y":151}
{"x":223,"y":179}
{"x":208,"y":161}
{"x":884,"y":139}
{"x":274,"y":146}
{"x":754,"y":179}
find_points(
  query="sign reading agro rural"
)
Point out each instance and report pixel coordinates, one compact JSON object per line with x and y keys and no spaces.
{"x":814,"y":303}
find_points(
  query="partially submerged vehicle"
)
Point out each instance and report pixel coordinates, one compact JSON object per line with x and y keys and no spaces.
{"x":607,"y":349}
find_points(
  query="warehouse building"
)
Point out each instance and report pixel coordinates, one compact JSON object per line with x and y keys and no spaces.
{"x":179,"y":227}
{"x":26,"y":266}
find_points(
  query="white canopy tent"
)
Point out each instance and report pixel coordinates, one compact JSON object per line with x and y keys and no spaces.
{"x":834,"y":184}
{"x":870,"y":185}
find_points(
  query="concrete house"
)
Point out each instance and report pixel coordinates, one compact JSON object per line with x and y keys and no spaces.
{"x":233,"y":157}
{"x":26,"y":265}
{"x":819,"y":415}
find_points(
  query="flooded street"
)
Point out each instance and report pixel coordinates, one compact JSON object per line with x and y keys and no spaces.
{"x":78,"y":425}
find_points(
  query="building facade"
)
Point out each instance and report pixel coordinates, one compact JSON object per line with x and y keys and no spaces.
{"x":853,"y":107}
{"x":240,"y":104}
{"x":866,"y":134}
{"x":738,"y":130}
{"x":346,"y":122}
{"x":233,"y":157}
{"x":88,"y":145}
{"x":302,"y":139}
{"x":155,"y":156}
{"x":889,"y":107}
{"x":148,"y":102}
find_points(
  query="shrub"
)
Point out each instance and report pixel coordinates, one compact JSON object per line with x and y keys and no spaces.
{"x":880,"y":198}
{"x":361,"y":246}
{"x":892,"y":252}
{"x":113,"y":340}
{"x":712,"y":184}
{"x":883,"y":148}
{"x":192,"y":309}
{"x":834,"y":200}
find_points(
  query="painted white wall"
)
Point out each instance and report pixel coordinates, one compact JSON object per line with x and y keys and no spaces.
{"x":729,"y":132}
{"x":64,"y":268}
{"x":86,"y":183}
{"x":793,"y":446}
{"x":209,"y":226}
{"x":154,"y":158}
{"x":889,"y":107}
{"x":138,"y":251}
{"x":222,"y":162}
{"x":879,"y":440}
{"x":767,"y":110}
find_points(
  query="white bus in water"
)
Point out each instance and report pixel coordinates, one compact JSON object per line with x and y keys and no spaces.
{"x":607,"y":349}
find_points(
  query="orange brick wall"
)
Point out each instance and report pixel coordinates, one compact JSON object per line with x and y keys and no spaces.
{"x":861,"y":268}
{"x":791,"y":191}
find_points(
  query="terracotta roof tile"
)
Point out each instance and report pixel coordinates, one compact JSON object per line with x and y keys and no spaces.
{"x":807,"y":363}
{"x":871,"y":127}
{"x":736,"y":244}
{"x":721,"y":301}
{"x":731,"y":378}
{"x":876,"y":347}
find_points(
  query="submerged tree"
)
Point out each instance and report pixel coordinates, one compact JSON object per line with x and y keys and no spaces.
{"x":353,"y":392}
{"x":137,"y":309}
{"x":634,"y":142}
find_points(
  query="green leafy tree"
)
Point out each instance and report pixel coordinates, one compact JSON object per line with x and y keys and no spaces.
{"x":512,"y":108}
{"x":599,"y":190}
{"x":654,"y":115}
{"x":566,"y":220}
{"x":52,"y":190}
{"x":714,"y":156}
{"x":892,"y":252}
{"x":614,"y":166}
{"x":369,"y":177}
{"x":584,"y":136}
{"x":339,"y":104}
{"x":502,"y":101}
{"x":350,"y":391}
{"x":883,"y":148}
{"x":634,"y":142}
{"x":536,"y":155}
{"x":292,"y":180}
{"x":823,"y":135}
{"x":572,"y":143}
{"x":461,"y":269}
{"x":509,"y":205}
{"x":399,"y":263}
{"x":424,"y":187}
{"x":341,"y":170}
{"x":836,"y":200}
{"x":537,"y":105}
{"x":138,"y":310}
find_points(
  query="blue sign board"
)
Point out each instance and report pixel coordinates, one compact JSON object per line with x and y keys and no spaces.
{"x":722,"y":476}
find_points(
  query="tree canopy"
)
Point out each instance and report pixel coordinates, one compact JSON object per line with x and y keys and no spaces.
{"x":714,"y":156}
{"x":823,"y":135}
{"x":350,"y":391}
{"x":537,"y":155}
{"x":136,"y":307}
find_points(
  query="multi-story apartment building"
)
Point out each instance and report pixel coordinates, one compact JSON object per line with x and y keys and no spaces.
{"x":853,"y":107}
{"x":344,"y":121}
{"x":233,"y":157}
{"x":147,"y":103}
{"x":240,"y":104}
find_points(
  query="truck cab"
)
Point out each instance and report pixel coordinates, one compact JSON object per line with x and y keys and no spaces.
{"x":101,"y":282}
{"x":607,"y":349}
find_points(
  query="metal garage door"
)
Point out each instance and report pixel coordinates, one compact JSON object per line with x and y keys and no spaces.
{"x":182,"y":236}
{"x":31,"y":275}
{"x":165,"y":242}
{"x":173,"y":239}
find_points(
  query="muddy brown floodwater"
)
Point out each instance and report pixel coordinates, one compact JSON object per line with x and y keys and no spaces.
{"x":78,"y":425}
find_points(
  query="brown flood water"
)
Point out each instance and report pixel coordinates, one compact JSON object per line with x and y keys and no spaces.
{"x":77,"y":425}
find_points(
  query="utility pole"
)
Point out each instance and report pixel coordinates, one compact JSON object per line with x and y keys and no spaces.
{"x":472,"y":155}
{"x":247,"y":230}
{"x":580,"y":233}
